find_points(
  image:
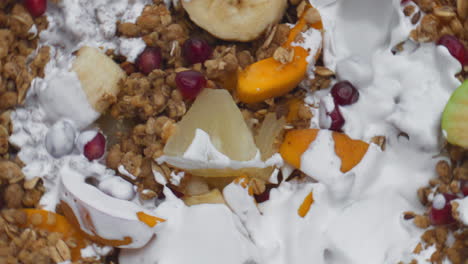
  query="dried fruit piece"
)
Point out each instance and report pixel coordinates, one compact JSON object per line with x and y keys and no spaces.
{"x":454,"y":123}
{"x":99,"y":76}
{"x":213,"y":113}
{"x":235,"y":20}
{"x":270,"y":78}
{"x":149,"y":60}
{"x":441,"y":210}
{"x":454,"y":46}
{"x":296,"y":142}
{"x":344,"y":93}
{"x":305,"y":206}
{"x":36,"y":7}
{"x":190,"y":83}
{"x":349,"y":150}
{"x":212,"y":197}
{"x":52,"y":222}
{"x":337,"y":119}
{"x":96,"y":147}
{"x":197,"y":50}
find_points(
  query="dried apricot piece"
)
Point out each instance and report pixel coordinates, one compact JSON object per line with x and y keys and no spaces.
{"x":270,"y":78}
{"x":296,"y":142}
{"x":52,"y":222}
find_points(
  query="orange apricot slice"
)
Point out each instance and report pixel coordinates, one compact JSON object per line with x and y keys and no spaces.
{"x":305,"y":206}
{"x":270,"y":78}
{"x":349,"y":150}
{"x":296,"y":142}
{"x":52,"y":222}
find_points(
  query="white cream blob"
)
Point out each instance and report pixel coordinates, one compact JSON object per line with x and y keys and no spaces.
{"x":208,"y":234}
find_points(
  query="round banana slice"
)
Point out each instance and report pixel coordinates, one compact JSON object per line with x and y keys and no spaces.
{"x":238,"y":20}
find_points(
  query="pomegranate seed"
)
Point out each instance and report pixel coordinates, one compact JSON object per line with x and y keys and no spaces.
{"x":36,"y":7}
{"x":454,"y":46}
{"x":464,"y":187}
{"x":197,"y":50}
{"x":337,"y":120}
{"x":441,"y":210}
{"x":190,"y":83}
{"x":265,"y":195}
{"x":149,"y":60}
{"x":95,"y":148}
{"x":344,"y":93}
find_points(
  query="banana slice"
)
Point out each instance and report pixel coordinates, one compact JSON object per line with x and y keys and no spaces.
{"x":99,"y":76}
{"x":212,"y":197}
{"x":238,"y":20}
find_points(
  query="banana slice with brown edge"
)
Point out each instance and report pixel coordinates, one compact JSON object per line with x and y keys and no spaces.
{"x":99,"y":76}
{"x":238,"y":20}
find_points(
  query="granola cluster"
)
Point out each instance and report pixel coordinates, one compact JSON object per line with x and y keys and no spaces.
{"x":449,"y":180}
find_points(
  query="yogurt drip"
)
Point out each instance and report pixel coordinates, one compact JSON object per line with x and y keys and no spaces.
{"x":355,"y":218}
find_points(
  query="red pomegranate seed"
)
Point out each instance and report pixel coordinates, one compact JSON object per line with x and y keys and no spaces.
{"x":190,"y":83}
{"x":149,"y":60}
{"x":36,"y":7}
{"x":454,"y":46}
{"x":441,"y":210}
{"x":337,"y":120}
{"x":464,"y":187}
{"x":265,"y":195}
{"x":196,"y":50}
{"x":344,"y":93}
{"x":95,"y":148}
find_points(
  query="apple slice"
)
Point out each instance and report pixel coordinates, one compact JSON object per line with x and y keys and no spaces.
{"x":455,"y":117}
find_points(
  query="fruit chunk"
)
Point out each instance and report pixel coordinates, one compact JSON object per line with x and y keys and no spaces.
{"x":215,"y":113}
{"x":337,"y":119}
{"x":190,"y":83}
{"x":305,"y":206}
{"x":36,"y":7}
{"x":455,"y":117}
{"x":212,"y":197}
{"x":197,"y":50}
{"x":99,"y":77}
{"x":268,"y":141}
{"x":235,"y":20}
{"x":296,"y":142}
{"x":344,"y":93}
{"x":52,"y":222}
{"x":270,"y":78}
{"x":149,"y":60}
{"x":454,"y":46}
{"x":96,"y":147}
{"x":441,"y":210}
